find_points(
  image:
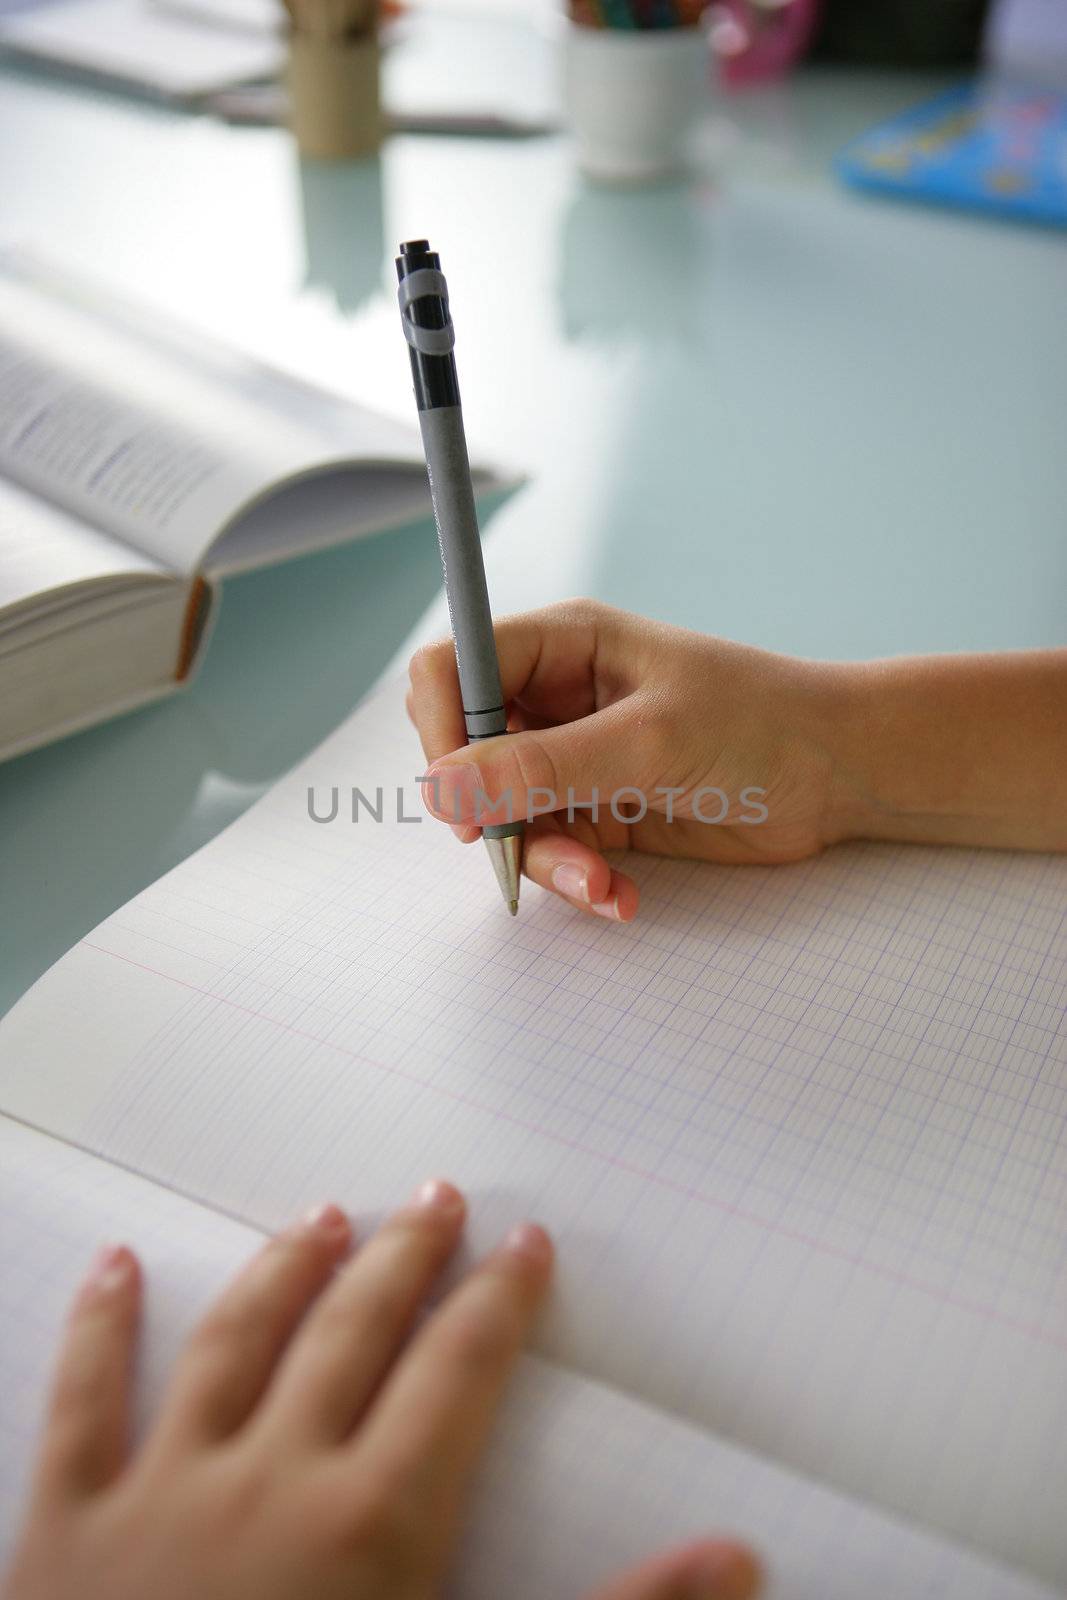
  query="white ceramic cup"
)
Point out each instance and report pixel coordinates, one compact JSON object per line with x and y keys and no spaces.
{"x":632,"y":98}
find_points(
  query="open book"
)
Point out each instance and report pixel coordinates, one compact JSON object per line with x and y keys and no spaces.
{"x":139,"y":464}
{"x":799,"y":1134}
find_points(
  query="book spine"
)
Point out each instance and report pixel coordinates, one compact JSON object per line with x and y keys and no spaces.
{"x":193,"y":625}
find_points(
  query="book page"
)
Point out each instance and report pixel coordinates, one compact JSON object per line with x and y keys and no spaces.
{"x":88,"y":625}
{"x":799,"y":1131}
{"x":142,"y":44}
{"x":161,"y":438}
{"x":45,"y":555}
{"x":579,"y":1480}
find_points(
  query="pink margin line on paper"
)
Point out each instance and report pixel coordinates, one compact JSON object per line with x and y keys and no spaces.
{"x":1031,"y":1330}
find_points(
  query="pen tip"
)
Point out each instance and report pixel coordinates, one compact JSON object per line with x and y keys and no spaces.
{"x":506,"y":856}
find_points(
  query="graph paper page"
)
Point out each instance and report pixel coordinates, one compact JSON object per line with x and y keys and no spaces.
{"x":799,"y":1131}
{"x":543,"y":1521}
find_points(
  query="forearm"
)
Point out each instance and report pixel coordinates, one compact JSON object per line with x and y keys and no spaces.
{"x":958,"y":749}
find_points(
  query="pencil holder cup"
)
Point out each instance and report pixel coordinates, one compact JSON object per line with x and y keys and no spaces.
{"x":632,"y":98}
{"x":334,"y":96}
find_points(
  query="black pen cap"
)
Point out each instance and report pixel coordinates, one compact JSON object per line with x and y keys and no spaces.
{"x":434,"y":376}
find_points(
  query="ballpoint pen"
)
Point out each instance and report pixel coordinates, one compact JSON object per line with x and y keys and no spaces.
{"x":427,"y":324}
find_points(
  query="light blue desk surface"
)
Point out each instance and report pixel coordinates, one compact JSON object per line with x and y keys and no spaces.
{"x":754,"y":404}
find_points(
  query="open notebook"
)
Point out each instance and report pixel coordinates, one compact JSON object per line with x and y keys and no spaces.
{"x":799,"y":1133}
{"x":141,"y":463}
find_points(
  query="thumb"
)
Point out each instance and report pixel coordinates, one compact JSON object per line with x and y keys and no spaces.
{"x":522,"y":775}
{"x":711,"y":1570}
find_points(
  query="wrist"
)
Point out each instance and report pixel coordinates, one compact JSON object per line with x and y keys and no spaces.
{"x":847,"y":726}
{"x":951,"y":749}
{"x":960,"y":749}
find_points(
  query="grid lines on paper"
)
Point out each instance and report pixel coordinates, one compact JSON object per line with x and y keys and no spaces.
{"x":799,"y":1131}
{"x":693,"y":1077}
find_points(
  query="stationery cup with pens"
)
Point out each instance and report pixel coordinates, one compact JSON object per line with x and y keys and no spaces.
{"x":333,"y":77}
{"x":635,"y":75}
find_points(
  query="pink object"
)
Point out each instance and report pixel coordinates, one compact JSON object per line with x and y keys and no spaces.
{"x":756,"y":42}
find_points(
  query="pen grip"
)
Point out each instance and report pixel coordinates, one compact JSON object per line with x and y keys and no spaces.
{"x":461,"y":557}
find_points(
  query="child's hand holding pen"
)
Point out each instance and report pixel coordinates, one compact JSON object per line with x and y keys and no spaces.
{"x":697,"y":747}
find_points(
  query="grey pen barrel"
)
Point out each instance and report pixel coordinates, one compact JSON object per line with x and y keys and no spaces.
{"x":427,"y":323}
{"x":445,"y":444}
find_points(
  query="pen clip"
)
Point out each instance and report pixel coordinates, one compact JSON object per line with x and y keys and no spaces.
{"x":417,"y":286}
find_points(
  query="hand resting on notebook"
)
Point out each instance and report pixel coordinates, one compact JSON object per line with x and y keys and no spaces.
{"x":307,"y":1448}
{"x":697,"y":747}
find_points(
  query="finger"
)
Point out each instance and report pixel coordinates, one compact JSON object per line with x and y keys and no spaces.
{"x":464,"y":832}
{"x":547,"y":660}
{"x":435,"y":703}
{"x":352,"y":1336}
{"x":518,"y":719}
{"x":597,"y":759}
{"x":87,"y":1426}
{"x":579,"y":874}
{"x":429,"y":1425}
{"x":711,"y":1570}
{"x":230,"y":1357}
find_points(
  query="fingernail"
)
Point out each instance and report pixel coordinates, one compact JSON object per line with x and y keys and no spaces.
{"x":109,"y":1270}
{"x":608,"y":908}
{"x":529,"y":1240}
{"x":437,"y":1195}
{"x":452,"y":795}
{"x":571,"y":880}
{"x":325,"y":1218}
{"x":724,"y":1572}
